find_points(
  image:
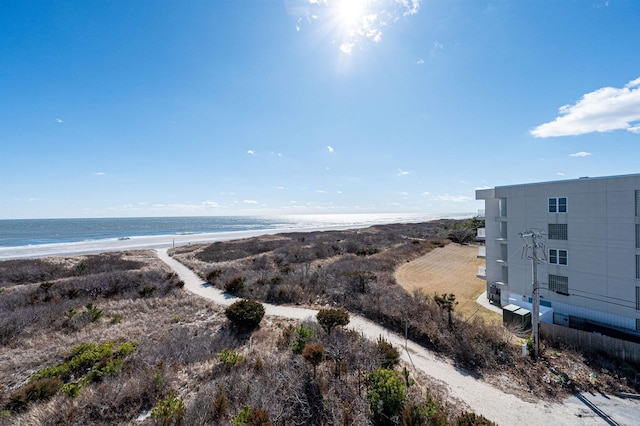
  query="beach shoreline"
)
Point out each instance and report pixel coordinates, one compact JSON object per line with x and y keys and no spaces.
{"x":149,"y":242}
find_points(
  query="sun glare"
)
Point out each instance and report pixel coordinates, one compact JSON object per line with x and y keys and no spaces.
{"x":350,"y":12}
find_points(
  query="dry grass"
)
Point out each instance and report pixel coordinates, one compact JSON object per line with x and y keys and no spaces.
{"x":179,"y":337}
{"x":450,"y":269}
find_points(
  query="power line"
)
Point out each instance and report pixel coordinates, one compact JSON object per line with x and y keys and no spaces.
{"x":533,"y":243}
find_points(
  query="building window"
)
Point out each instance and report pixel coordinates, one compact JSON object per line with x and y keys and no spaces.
{"x":557,"y":231}
{"x":558,"y":257}
{"x":638,"y":266}
{"x":637,"y":236}
{"x":558,"y":205}
{"x":559,"y":284}
{"x":638,"y":203}
{"x":637,"y":324}
{"x":638,"y":298}
{"x":503,"y":207}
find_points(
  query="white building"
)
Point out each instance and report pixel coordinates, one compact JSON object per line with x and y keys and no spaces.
{"x":591,"y":227}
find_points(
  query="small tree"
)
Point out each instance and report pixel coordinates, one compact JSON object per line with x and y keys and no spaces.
{"x":245,"y":314}
{"x":314,"y":355}
{"x":386,"y":395}
{"x":330,"y":318}
{"x":389,"y":356}
{"x":446,"y":302}
{"x":302,"y":336}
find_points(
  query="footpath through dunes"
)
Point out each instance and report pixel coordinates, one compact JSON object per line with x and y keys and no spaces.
{"x":478,"y":396}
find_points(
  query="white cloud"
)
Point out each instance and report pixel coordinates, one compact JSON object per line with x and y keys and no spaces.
{"x":560,"y":174}
{"x":250,"y":201}
{"x":424,"y":194}
{"x":99,"y":173}
{"x":321,"y":191}
{"x":403,"y":172}
{"x":482,"y":187}
{"x":603,"y":110}
{"x":330,"y":149}
{"x":346,"y":48}
{"x":420,"y":61}
{"x":454,"y":198}
{"x":580,"y":154}
{"x":281,"y":188}
{"x":251,"y":152}
{"x":59,"y":120}
{"x":211,"y":204}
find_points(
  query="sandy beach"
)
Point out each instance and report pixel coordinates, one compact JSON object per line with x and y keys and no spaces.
{"x":146,"y":242}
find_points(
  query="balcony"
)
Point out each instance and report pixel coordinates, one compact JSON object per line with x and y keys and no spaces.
{"x":482,"y":234}
{"x":482,"y":272}
{"x":482,"y":252}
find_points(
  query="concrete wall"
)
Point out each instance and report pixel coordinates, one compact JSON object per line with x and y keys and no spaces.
{"x":601,"y":244}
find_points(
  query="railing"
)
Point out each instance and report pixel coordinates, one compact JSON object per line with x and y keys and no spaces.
{"x":482,"y":272}
{"x":482,"y":233}
{"x":482,"y":251}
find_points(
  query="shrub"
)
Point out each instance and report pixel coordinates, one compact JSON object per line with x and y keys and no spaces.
{"x":229,"y":357}
{"x":220,"y":403}
{"x":314,"y":355}
{"x":93,"y":312}
{"x":386,"y":395}
{"x":234,"y":286}
{"x":169,"y":411}
{"x":472,"y":419}
{"x":330,"y":318}
{"x":213,"y":275}
{"x":245,"y":314}
{"x":249,"y":417}
{"x":303,"y":334}
{"x":37,"y":390}
{"x":389,"y":356}
{"x":89,"y":362}
{"x":146,"y":291}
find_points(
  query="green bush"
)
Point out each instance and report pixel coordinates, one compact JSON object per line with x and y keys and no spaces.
{"x":230,"y":357}
{"x":389,"y":356}
{"x":245,"y":314}
{"x":330,"y":318}
{"x":302,"y":336}
{"x":93,"y":312}
{"x":386,"y":396}
{"x":36,"y":390}
{"x":89,"y":362}
{"x":169,"y":411}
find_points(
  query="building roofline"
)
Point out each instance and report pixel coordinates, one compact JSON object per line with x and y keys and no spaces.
{"x":580,"y":179}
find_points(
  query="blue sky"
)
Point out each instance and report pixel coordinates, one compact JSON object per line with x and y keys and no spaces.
{"x":162,"y":108}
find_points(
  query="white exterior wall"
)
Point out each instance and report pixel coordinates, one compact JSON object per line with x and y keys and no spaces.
{"x":601,"y":245}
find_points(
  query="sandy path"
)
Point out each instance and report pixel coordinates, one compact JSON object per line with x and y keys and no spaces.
{"x":479,"y":396}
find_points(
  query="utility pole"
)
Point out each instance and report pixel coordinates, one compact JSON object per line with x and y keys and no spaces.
{"x":534,"y":241}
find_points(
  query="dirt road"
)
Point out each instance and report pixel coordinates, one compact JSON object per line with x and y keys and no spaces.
{"x":479,"y":396}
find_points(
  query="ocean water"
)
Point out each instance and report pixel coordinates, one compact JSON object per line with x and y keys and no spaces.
{"x":36,"y":232}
